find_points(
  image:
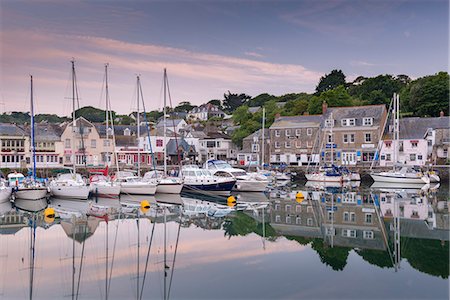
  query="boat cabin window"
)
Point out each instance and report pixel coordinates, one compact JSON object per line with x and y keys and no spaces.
{"x":222,"y":174}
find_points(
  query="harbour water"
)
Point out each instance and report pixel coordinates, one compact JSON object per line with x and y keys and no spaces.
{"x":359,"y":243}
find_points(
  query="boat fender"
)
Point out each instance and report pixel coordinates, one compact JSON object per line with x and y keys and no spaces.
{"x":145,"y":206}
{"x":299,"y":197}
{"x":231,"y":201}
{"x":49,"y":215}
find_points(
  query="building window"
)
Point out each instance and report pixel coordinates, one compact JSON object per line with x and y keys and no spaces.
{"x":348,"y":122}
{"x":330,"y":138}
{"x":346,"y":216}
{"x":368,"y":234}
{"x":349,"y":233}
{"x":419,"y":157}
{"x":388,"y":157}
{"x":277,"y":132}
{"x":127,"y":132}
{"x":430,"y":143}
{"x":352,"y":138}
{"x":368,"y":137}
{"x":345,"y":138}
{"x":255,"y":147}
{"x":298,"y":132}
{"x":352,"y":217}
{"x":277,"y":206}
{"x":309,"y":131}
{"x":368,"y":218}
{"x":277,"y":219}
{"x":210,"y":144}
{"x":412,"y":157}
{"x":287,"y":132}
{"x":298,"y":208}
{"x":367,"y":121}
{"x":329,"y":123}
{"x":287,"y":144}
{"x":93,"y":143}
{"x":330,"y":231}
{"x":330,"y":215}
{"x":414,"y":144}
{"x":298,"y":144}
{"x":309,"y":222}
{"x":298,"y":221}
{"x":308,"y":144}
{"x":218,"y":144}
{"x":106,"y":143}
{"x":288,"y":220}
{"x":287,"y":208}
{"x":159,"y":143}
{"x":67,"y":143}
{"x":383,"y":157}
{"x":277,"y":144}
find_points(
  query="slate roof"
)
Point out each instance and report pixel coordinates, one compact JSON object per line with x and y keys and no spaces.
{"x":169,"y":122}
{"x":171,"y":147}
{"x":257,"y":133}
{"x":306,"y":121}
{"x":119,"y":129}
{"x":46,"y":132}
{"x":357,"y":113}
{"x":7,"y":129}
{"x":217,"y":135}
{"x":416,"y":128}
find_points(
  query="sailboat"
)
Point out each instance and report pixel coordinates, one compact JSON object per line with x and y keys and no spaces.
{"x":71,"y":185}
{"x":399,"y":173}
{"x":100,"y":183}
{"x":166,"y":184}
{"x":332,"y":173}
{"x":130,"y":183}
{"x":24,"y":187}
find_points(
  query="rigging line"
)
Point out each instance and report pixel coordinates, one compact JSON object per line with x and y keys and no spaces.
{"x":173,"y":121}
{"x":148,"y":130}
{"x":113,"y":255}
{"x":148,"y":255}
{"x":174,"y":258}
{"x":81,"y":262}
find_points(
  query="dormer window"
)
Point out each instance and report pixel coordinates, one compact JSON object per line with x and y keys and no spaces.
{"x":127,"y":132}
{"x":348,"y":122}
{"x":329,"y":123}
{"x":109,"y":130}
{"x":367,"y":121}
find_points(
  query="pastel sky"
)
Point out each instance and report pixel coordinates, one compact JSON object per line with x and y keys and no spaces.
{"x":208,"y":47}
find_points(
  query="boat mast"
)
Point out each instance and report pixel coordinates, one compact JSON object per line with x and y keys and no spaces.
{"x":165,"y":256}
{"x":262,"y":137}
{"x":138,"y":130}
{"x":331,"y":124}
{"x":164,"y":111}
{"x":396,"y":115}
{"x":107,"y":108}
{"x":73,"y":116}
{"x":33,"y":143}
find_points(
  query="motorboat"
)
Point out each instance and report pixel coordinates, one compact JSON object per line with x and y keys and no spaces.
{"x":245,"y":182}
{"x":134,"y":185}
{"x":27,"y":188}
{"x":103,"y":186}
{"x":31,"y":206}
{"x":203,"y":181}
{"x":166,"y":184}
{"x":5,"y":191}
{"x":69,"y":185}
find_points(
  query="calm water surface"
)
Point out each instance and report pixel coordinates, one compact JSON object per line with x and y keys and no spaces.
{"x":334,"y":244}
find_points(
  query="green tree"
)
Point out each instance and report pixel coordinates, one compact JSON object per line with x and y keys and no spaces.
{"x":92,"y":114}
{"x":379,"y":89}
{"x":184,"y":106}
{"x":336,"y":97}
{"x":260,"y":100}
{"x":217,"y":103}
{"x":241,"y":115}
{"x":427,"y":96}
{"x":330,"y":81}
{"x":233,"y":101}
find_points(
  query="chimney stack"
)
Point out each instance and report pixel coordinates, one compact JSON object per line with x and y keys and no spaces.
{"x":441,"y":114}
{"x":324,"y":107}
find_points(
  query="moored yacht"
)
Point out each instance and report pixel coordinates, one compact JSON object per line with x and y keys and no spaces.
{"x":134,"y":185}
{"x":69,"y":185}
{"x":404,"y":174}
{"x":26,"y":188}
{"x":103,"y":186}
{"x":245,"y":182}
{"x":333,"y":174}
{"x":166,"y":184}
{"x":203,"y":181}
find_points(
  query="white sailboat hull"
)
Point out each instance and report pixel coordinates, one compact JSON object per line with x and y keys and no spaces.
{"x":169,"y":187}
{"x":321,"y":177}
{"x":105,"y":190}
{"x":397,"y":178}
{"x":138,"y":188}
{"x":70,"y":191}
{"x":5,"y":194}
{"x":33,"y":193}
{"x":251,"y":185}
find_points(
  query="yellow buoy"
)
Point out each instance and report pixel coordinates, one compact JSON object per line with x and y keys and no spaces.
{"x":49,"y":215}
{"x":145,"y":206}
{"x":299,"y":197}
{"x":231,"y":201}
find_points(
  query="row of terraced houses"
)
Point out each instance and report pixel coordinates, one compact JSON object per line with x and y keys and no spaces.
{"x":348,"y":136}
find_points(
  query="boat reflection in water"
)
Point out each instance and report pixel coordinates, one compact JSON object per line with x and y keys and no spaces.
{"x":157,"y":246}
